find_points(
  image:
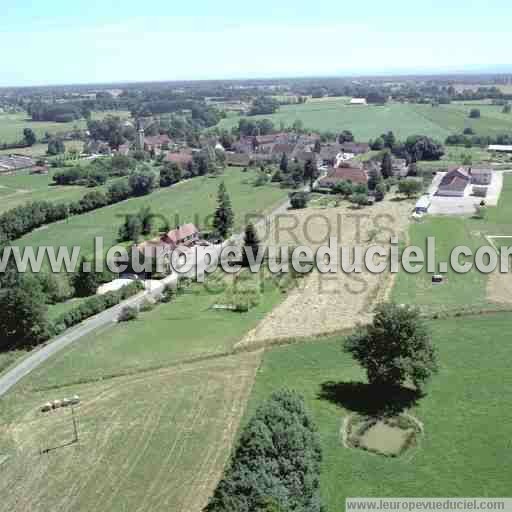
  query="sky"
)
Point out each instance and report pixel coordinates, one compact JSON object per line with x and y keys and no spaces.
{"x":88,"y":41}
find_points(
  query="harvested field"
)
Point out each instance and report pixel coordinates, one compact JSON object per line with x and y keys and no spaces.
{"x":325,"y":303}
{"x":148,"y":442}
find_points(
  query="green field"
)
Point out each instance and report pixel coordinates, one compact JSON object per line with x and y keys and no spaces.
{"x":450,"y":232}
{"x":24,"y":187}
{"x":39,"y":150}
{"x":456,"y":155}
{"x":12,"y":125}
{"x":368,"y":122}
{"x":148,"y":439}
{"x":464,"y":451}
{"x":190,"y":201}
{"x":185,"y":329}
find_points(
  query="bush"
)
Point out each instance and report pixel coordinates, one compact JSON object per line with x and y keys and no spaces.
{"x":299,"y":200}
{"x":410,"y":187}
{"x":359,"y":199}
{"x":146,"y":305}
{"x":168,"y":295}
{"x":128,"y":313}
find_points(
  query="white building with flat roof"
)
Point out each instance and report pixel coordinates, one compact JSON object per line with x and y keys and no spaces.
{"x":500,"y":148}
{"x":358,"y":101}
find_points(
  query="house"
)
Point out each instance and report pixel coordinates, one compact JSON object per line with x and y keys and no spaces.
{"x":358,"y":101}
{"x":334,"y":176}
{"x":238,"y":159}
{"x":262,"y":158}
{"x":124,"y":149}
{"x":454,"y":183}
{"x":480,"y":176}
{"x":157,"y":143}
{"x":357,"y":148}
{"x":500,"y":148}
{"x":282,"y":148}
{"x":186,"y":235}
{"x":399,"y":167}
{"x":244,"y":145}
{"x":307,"y":156}
{"x":329,"y":153}
{"x":182,"y":158}
{"x":12,"y":163}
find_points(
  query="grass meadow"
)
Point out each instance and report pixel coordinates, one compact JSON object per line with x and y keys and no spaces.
{"x":368,"y":122}
{"x":449,"y":232}
{"x":23,"y":187}
{"x":189,"y":201}
{"x":12,"y":125}
{"x":183,"y":330}
{"x":465,"y":414}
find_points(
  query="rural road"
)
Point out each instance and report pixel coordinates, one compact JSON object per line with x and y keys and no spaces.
{"x":40,"y":355}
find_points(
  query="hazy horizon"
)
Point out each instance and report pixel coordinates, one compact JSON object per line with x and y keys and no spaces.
{"x":88,"y":42}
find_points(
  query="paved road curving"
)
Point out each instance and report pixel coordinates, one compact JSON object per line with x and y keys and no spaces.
{"x":39,"y":356}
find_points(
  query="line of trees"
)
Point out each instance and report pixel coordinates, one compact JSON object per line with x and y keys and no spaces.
{"x":415,"y":147}
{"x":469,"y":139}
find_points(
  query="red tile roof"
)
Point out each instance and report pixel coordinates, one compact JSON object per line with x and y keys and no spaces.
{"x":352,"y":174}
{"x":178,"y":235}
{"x":157,"y":140}
{"x":181,"y":158}
{"x":455,"y":179}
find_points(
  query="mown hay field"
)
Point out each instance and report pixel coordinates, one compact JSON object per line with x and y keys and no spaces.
{"x":324,"y":303}
{"x":152,"y":441}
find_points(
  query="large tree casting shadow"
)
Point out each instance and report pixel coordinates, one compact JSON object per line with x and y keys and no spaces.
{"x":369,"y":399}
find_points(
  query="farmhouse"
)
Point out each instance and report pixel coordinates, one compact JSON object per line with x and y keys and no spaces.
{"x":162,"y":247}
{"x":186,"y":235}
{"x":454,"y":183}
{"x":335,"y":176}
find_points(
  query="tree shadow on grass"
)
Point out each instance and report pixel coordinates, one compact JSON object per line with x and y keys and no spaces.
{"x":368,"y":399}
